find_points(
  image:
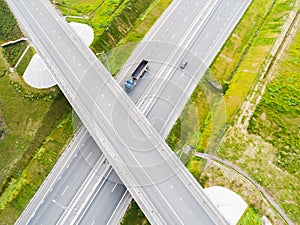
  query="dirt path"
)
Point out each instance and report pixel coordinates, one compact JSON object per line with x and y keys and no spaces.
{"x":281,"y":45}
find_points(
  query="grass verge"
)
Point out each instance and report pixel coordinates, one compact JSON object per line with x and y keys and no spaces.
{"x":250,"y":217}
{"x":25,"y":61}
{"x":21,"y":190}
{"x":9,"y":27}
{"x":27,"y":117}
{"x":134,"y":216}
{"x":13,"y":52}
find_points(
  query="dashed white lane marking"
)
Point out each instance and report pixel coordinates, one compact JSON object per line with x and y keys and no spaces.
{"x":88,"y":156}
{"x":64,"y":190}
{"x":112,"y":190}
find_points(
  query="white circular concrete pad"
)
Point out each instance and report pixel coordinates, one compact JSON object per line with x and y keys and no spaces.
{"x":37,"y":74}
{"x":230,"y":204}
{"x":84,"y":31}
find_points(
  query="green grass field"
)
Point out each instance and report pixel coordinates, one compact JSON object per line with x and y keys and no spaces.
{"x":237,"y":67}
{"x":100,"y":13}
{"x":276,"y":120}
{"x":13,"y":52}
{"x":25,"y":61}
{"x":21,"y":190}
{"x":27,"y":117}
{"x":9,"y":28}
{"x":113,"y":17}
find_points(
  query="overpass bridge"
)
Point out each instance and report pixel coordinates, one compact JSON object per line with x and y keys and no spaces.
{"x":216,"y":43}
{"x":149,"y":169}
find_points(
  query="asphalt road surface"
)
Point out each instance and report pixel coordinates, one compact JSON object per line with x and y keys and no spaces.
{"x":150,"y":170}
{"x":232,"y":18}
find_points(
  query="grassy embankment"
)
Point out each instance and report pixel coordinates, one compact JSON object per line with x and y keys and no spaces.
{"x":223,"y":69}
{"x":272,"y":165}
{"x":271,"y":156}
{"x":237,"y":68}
{"x":117,"y":28}
{"x":276,"y":121}
{"x":27,"y":117}
{"x":25,"y":61}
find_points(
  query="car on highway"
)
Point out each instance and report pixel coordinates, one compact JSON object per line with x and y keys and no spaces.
{"x":183,"y":64}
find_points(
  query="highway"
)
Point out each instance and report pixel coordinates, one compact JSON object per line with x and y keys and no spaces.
{"x":136,"y":151}
{"x":156,"y":58}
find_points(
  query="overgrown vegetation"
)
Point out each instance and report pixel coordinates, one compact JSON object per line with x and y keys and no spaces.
{"x":120,"y":26}
{"x":134,"y":215}
{"x":277,"y":117}
{"x":116,"y":58}
{"x":110,"y":20}
{"x":250,"y":217}
{"x":276,"y":120}
{"x":237,"y":67}
{"x":10,"y":31}
{"x":258,"y":53}
{"x":96,"y":13}
{"x":30,"y":116}
{"x":25,"y":61}
{"x":13,"y":52}
{"x":271,"y":155}
{"x":9,"y":28}
{"x":14,"y":200}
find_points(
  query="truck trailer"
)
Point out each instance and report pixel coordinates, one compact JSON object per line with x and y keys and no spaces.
{"x":139,"y":71}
